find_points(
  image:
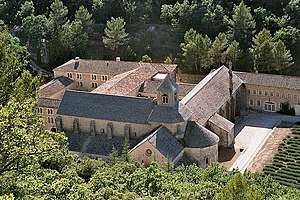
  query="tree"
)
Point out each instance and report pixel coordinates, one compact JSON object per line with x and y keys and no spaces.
{"x":218,"y":50}
{"x":115,"y":35}
{"x":26,"y":10}
{"x":282,"y":57}
{"x":10,"y":67}
{"x":74,"y":38}
{"x":125,"y":149}
{"x":241,"y":26}
{"x":293,"y":11}
{"x":25,"y":86}
{"x":97,"y":10}
{"x":113,"y":156}
{"x":34,"y":29}
{"x":58,"y":16}
{"x":130,"y":8}
{"x":237,"y":188}
{"x":263,"y":51}
{"x":196,"y":50}
{"x":146,"y":58}
{"x":22,"y":140}
{"x":233,"y":53}
{"x":82,"y":15}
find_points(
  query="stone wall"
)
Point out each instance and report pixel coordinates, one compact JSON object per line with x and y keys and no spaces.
{"x":189,"y":78}
{"x":142,"y":154}
{"x":200,"y":154}
{"x":85,"y":78}
{"x":257,"y":96}
{"x":118,"y":128}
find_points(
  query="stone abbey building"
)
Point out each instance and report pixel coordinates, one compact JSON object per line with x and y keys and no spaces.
{"x":100,"y":103}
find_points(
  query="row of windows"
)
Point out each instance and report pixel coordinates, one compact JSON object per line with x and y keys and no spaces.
{"x":93,"y":76}
{"x":50,"y":120}
{"x":49,"y":111}
{"x":80,"y":84}
{"x":258,"y":103}
{"x":272,"y":94}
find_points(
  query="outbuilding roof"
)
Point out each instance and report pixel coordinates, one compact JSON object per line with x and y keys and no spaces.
{"x":210,"y":94}
{"x":108,"y":67}
{"x":116,"y":108}
{"x":106,"y":107}
{"x":54,"y":86}
{"x":271,"y":80}
{"x":49,"y":103}
{"x":165,"y":142}
{"x":221,"y":122}
{"x":197,"y":136}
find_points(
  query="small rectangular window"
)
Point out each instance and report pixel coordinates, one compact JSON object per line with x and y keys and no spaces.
{"x":258,"y":103}
{"x":266,"y":93}
{"x":104,"y":77}
{"x":94,"y":77}
{"x":277,"y":94}
{"x":254,"y":92}
{"x":251,"y":102}
{"x":79,"y":76}
{"x":259,"y":92}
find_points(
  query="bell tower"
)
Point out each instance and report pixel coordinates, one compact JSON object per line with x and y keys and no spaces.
{"x":167,"y":93}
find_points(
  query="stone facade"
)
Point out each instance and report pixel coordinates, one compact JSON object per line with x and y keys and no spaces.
{"x":203,"y":156}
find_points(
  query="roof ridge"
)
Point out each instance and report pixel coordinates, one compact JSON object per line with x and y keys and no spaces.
{"x":196,"y":89}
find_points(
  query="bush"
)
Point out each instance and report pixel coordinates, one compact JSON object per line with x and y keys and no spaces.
{"x":287,"y":109}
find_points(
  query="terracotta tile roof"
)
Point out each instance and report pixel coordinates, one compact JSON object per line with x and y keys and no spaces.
{"x":271,"y":80}
{"x":210,"y":95}
{"x":197,"y":136}
{"x":109,"y":67}
{"x":54,"y":86}
{"x":128,"y":82}
{"x":49,"y":103}
{"x":221,"y":122}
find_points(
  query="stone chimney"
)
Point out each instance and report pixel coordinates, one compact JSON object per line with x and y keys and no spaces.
{"x":76,"y":63}
{"x":118,"y":59}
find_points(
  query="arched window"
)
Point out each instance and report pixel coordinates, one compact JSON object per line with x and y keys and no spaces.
{"x":165,"y":98}
{"x":207,"y":160}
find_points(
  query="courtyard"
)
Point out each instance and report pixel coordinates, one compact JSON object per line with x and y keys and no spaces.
{"x":252,"y":130}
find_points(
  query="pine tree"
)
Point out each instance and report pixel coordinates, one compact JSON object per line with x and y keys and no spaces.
{"x":282,"y":57}
{"x":242,"y":25}
{"x":218,"y":50}
{"x":125,"y":149}
{"x":233,"y":53}
{"x":83,"y":15}
{"x":113,"y":156}
{"x":115,"y":34}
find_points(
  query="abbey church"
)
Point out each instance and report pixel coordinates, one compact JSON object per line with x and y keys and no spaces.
{"x":100,"y":103}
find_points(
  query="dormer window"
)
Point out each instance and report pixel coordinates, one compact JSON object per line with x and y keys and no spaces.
{"x":165,"y":98}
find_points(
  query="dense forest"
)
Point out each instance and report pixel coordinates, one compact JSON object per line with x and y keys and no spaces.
{"x":258,"y":36}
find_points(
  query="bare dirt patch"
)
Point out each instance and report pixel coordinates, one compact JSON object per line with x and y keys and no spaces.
{"x":269,"y":149}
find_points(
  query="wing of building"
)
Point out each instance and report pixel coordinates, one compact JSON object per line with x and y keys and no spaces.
{"x":100,"y":103}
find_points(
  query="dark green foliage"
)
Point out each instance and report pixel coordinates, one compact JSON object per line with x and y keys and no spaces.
{"x":286,"y":108}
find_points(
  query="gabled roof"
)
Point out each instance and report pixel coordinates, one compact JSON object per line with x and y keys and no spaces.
{"x":221,"y":122}
{"x":197,"y":136}
{"x":150,"y":87}
{"x":164,"y":141}
{"x":210,"y":94}
{"x":167,"y":85}
{"x":109,"y":67}
{"x":98,"y":144}
{"x":54,"y":86}
{"x":270,"y":80}
{"x":128,"y":82}
{"x":106,"y":107}
{"x":165,"y":114}
{"x":49,"y":103}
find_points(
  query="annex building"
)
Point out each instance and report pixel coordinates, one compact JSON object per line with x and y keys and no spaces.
{"x":100,"y":103}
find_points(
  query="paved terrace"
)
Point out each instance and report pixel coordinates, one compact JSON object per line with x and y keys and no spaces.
{"x":252,"y":132}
